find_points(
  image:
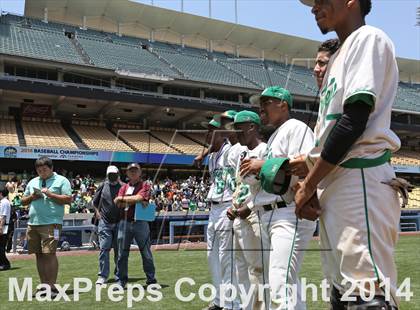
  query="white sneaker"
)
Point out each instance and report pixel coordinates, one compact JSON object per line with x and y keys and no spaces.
{"x":101,"y":281}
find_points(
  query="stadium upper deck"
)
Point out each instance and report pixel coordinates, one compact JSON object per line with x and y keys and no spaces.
{"x":35,"y":39}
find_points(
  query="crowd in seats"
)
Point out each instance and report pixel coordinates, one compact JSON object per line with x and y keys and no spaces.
{"x":44,"y":132}
{"x":97,"y":137}
{"x":83,"y":189}
{"x":177,"y":140}
{"x":144,"y":142}
{"x":8,"y":134}
{"x":180,"y":195}
{"x":406,"y":158}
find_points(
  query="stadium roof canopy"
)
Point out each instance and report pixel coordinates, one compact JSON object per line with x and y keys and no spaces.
{"x":139,"y":20}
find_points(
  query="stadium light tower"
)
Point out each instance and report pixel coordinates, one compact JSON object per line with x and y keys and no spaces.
{"x":418,"y":16}
{"x":209,"y":8}
{"x":236,"y":11}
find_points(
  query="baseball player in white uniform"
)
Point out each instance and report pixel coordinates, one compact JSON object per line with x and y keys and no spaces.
{"x":247,"y":225}
{"x":222,"y":162}
{"x":287,"y":236}
{"x":350,"y":165}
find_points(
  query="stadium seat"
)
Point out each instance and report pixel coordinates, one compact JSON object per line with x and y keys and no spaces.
{"x":143,"y":142}
{"x":100,"y":138}
{"x":18,"y":40}
{"x":180,"y":142}
{"x":406,"y":158}
{"x":125,"y":57}
{"x":43,"y":134}
{"x":414,"y":199}
{"x":8,"y":135}
{"x":31,"y":37}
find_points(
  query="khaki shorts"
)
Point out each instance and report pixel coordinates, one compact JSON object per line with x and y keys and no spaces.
{"x":41,"y":239}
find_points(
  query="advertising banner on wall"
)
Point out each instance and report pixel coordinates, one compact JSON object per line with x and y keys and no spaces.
{"x":94,"y":155}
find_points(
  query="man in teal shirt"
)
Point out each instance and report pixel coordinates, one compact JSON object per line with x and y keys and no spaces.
{"x":46,"y":196}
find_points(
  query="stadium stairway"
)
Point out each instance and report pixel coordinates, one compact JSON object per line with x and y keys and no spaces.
{"x":258,"y":85}
{"x":111,"y":130}
{"x":19,"y":131}
{"x":166,"y":143}
{"x":83,"y":54}
{"x":167,"y":62}
{"x":74,"y":136}
{"x":192,"y":139}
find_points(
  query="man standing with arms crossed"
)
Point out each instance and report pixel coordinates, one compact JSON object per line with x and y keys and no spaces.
{"x":350,"y":163}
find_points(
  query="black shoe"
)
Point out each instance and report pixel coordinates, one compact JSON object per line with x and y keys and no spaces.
{"x":150,"y":282}
{"x":4,"y":267}
{"x":42,"y":295}
{"x":213,"y":307}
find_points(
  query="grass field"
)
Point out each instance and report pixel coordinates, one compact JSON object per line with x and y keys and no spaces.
{"x":172,"y":265}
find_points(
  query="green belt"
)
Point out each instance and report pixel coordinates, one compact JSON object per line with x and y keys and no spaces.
{"x":367,"y":162}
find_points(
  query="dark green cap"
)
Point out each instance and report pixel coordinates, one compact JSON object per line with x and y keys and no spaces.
{"x":230,"y":114}
{"x":276,"y":92}
{"x":215,"y":122}
{"x":273,"y":177}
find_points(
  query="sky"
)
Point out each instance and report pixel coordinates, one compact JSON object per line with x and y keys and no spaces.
{"x":396,"y":17}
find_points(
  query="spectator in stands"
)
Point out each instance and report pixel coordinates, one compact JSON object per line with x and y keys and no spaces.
{"x":77,"y":182}
{"x":46,"y":196}
{"x":12,"y":185}
{"x":108,"y":215}
{"x":5,"y":212}
{"x":135,"y":191}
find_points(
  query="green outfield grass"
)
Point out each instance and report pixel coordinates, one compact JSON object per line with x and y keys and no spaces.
{"x":172,"y":265}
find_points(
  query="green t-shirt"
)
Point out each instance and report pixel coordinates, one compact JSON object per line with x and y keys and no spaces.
{"x":44,"y":210}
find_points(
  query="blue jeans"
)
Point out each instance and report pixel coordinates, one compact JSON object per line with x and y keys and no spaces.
{"x":107,"y":234}
{"x":140,"y":231}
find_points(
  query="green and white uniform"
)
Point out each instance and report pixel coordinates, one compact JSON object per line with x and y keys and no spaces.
{"x":222,"y":165}
{"x":286,"y":236}
{"x":247,"y":234}
{"x":361,"y":214}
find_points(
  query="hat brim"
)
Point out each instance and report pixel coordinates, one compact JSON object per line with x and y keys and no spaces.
{"x":308,"y":2}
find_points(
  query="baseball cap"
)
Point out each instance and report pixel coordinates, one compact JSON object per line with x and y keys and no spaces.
{"x":133,"y":165}
{"x":112,"y":169}
{"x":230,"y":114}
{"x":215,"y":122}
{"x":273,"y":177}
{"x":308,"y":2}
{"x":245,"y":117}
{"x":276,"y":92}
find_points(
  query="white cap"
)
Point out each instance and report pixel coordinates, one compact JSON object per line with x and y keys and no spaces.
{"x":112,"y":169}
